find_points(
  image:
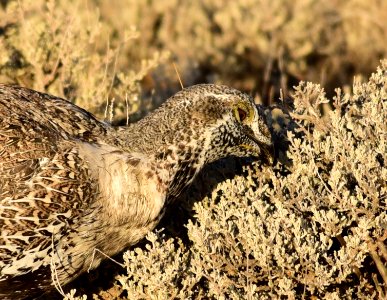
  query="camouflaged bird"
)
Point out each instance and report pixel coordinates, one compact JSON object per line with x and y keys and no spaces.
{"x":70,"y":184}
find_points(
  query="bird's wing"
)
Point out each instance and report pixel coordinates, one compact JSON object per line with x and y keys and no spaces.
{"x":44,"y":182}
{"x":53,"y":115}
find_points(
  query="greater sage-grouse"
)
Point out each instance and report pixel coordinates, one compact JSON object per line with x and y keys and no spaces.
{"x":70,"y":184}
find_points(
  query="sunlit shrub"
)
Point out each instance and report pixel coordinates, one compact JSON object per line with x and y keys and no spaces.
{"x":314,"y":226}
{"x":50,"y":46}
{"x":241,"y":42}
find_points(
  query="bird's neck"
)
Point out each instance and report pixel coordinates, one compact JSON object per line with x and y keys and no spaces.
{"x":177,"y":155}
{"x":182,"y":164}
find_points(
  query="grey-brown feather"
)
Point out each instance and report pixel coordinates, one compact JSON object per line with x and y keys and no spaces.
{"x":71,"y":184}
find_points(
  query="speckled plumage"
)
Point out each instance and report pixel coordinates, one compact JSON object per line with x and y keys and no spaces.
{"x":70,"y":184}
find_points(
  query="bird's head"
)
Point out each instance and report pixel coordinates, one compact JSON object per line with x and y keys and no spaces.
{"x":222,"y":121}
{"x":199,"y":125}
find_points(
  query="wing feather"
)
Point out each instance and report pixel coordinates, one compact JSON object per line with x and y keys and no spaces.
{"x":44,"y":181}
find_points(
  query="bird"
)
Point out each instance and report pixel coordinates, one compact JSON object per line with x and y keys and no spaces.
{"x":71,"y":185}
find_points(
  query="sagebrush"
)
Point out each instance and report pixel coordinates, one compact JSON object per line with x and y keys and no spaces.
{"x":314,"y":225}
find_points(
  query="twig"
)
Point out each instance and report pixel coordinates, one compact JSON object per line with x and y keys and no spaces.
{"x":378,"y":262}
{"x":127,"y":109}
{"x":107,"y":256}
{"x":378,"y":287}
{"x":178,"y":76}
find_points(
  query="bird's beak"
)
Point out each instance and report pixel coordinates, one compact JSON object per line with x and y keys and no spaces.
{"x":268,"y":153}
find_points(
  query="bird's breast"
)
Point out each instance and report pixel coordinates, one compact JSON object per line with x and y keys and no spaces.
{"x":131,"y":191}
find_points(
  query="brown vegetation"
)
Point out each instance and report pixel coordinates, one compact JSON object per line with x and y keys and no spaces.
{"x":314,"y":225}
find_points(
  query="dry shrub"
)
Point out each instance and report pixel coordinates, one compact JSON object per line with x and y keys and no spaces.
{"x":63,"y":48}
{"x":312,"y":226}
{"x":238,"y":42}
{"x":316,"y":227}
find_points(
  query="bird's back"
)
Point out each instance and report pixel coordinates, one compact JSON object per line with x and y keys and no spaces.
{"x":44,"y":182}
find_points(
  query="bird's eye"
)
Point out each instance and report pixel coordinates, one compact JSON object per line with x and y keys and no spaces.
{"x":241,"y":113}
